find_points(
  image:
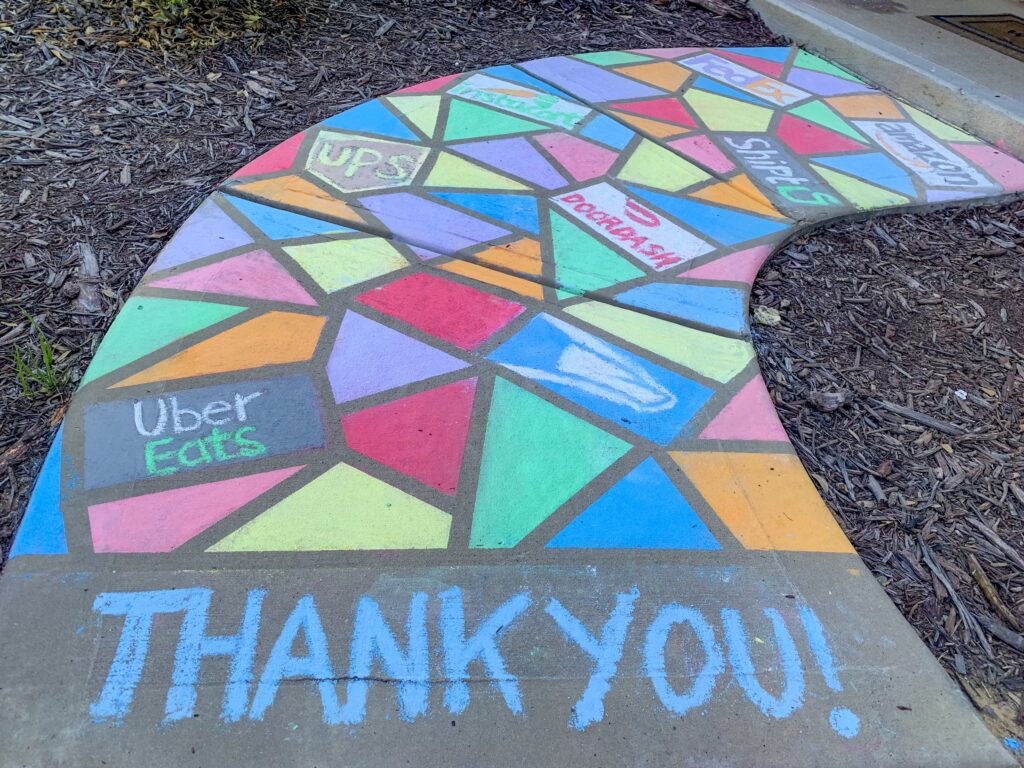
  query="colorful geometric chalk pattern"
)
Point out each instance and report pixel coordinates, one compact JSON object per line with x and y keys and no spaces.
{"x":500,"y":311}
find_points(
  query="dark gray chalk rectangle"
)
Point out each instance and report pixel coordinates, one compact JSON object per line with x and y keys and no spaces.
{"x":253,"y":419}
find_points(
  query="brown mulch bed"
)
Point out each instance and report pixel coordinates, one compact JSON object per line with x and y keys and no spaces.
{"x":106,"y":148}
{"x":898,"y":370}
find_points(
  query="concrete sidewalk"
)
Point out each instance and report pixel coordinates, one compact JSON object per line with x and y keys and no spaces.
{"x":962,"y":60}
{"x":436,"y":437}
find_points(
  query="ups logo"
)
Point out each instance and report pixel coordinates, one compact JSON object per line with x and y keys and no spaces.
{"x":359,"y":164}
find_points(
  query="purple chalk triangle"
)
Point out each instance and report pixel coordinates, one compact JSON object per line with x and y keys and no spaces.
{"x":449,"y":230}
{"x":369,"y":358}
{"x":822,"y":84}
{"x":207,"y":231}
{"x":516,"y":157}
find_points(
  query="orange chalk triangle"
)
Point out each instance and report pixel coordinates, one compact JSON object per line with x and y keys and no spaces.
{"x":519,"y":256}
{"x":738,"y":192}
{"x":296,"y":192}
{"x":654,"y":128}
{"x":663,"y":74}
{"x":866,"y":106}
{"x":275,"y":338}
{"x":519,"y":285}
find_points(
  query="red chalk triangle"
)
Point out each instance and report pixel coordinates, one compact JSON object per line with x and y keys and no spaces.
{"x":668,"y":109}
{"x":430,"y":86}
{"x":255,"y":275}
{"x":806,"y":138}
{"x":280,"y":158}
{"x":422,"y":436}
{"x":765,"y":67}
{"x":163,"y":521}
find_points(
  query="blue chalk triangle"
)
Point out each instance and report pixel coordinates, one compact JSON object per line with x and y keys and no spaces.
{"x":517,"y":210}
{"x":42,"y":528}
{"x":725,"y":226}
{"x":709,"y":304}
{"x":282,"y":225}
{"x":607,"y":131}
{"x":644,"y":510}
{"x":771,"y":54}
{"x":371,"y":117}
{"x":707,"y":84}
{"x":874,"y":168}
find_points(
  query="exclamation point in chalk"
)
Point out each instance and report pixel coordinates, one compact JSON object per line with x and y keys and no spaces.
{"x":843,"y":721}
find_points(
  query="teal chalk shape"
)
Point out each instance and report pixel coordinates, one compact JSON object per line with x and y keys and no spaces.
{"x":644,"y":510}
{"x":42,"y":529}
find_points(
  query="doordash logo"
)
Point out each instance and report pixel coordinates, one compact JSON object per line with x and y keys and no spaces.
{"x":644,"y":234}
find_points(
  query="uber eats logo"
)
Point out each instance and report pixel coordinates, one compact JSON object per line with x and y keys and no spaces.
{"x":163,"y":435}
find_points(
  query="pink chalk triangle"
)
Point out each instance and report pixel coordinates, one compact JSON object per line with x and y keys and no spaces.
{"x":1007,"y":170}
{"x":280,"y":158}
{"x":580,"y":158}
{"x":254,"y":275}
{"x":703,"y":150}
{"x":430,"y":86}
{"x":740,"y":267}
{"x":764,"y":66}
{"x":668,"y":109}
{"x":666,"y":53}
{"x":161,"y":522}
{"x":750,"y":415}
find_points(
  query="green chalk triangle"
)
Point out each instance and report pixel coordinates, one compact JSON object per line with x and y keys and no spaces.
{"x":937,"y":128}
{"x":535,"y":458}
{"x":866,"y":197}
{"x":654,"y":166}
{"x":343,"y":509}
{"x":819,"y":112}
{"x":470,"y":121}
{"x":611,"y":58}
{"x":421,"y":111}
{"x":584,"y":264}
{"x":145,"y":324}
{"x":810,"y":61}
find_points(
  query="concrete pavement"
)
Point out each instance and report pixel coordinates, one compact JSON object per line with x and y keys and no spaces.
{"x":436,"y":435}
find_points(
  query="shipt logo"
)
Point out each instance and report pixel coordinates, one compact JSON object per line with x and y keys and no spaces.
{"x":754,"y":83}
{"x":775,"y":168}
{"x":935,"y":165}
{"x":358,"y":164}
{"x":520,"y":100}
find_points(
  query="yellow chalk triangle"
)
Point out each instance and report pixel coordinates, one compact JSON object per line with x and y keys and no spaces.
{"x":452,"y":171}
{"x":420,"y":110}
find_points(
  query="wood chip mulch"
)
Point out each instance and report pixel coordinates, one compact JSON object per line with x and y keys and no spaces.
{"x":897,"y":366}
{"x":898,"y":371}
